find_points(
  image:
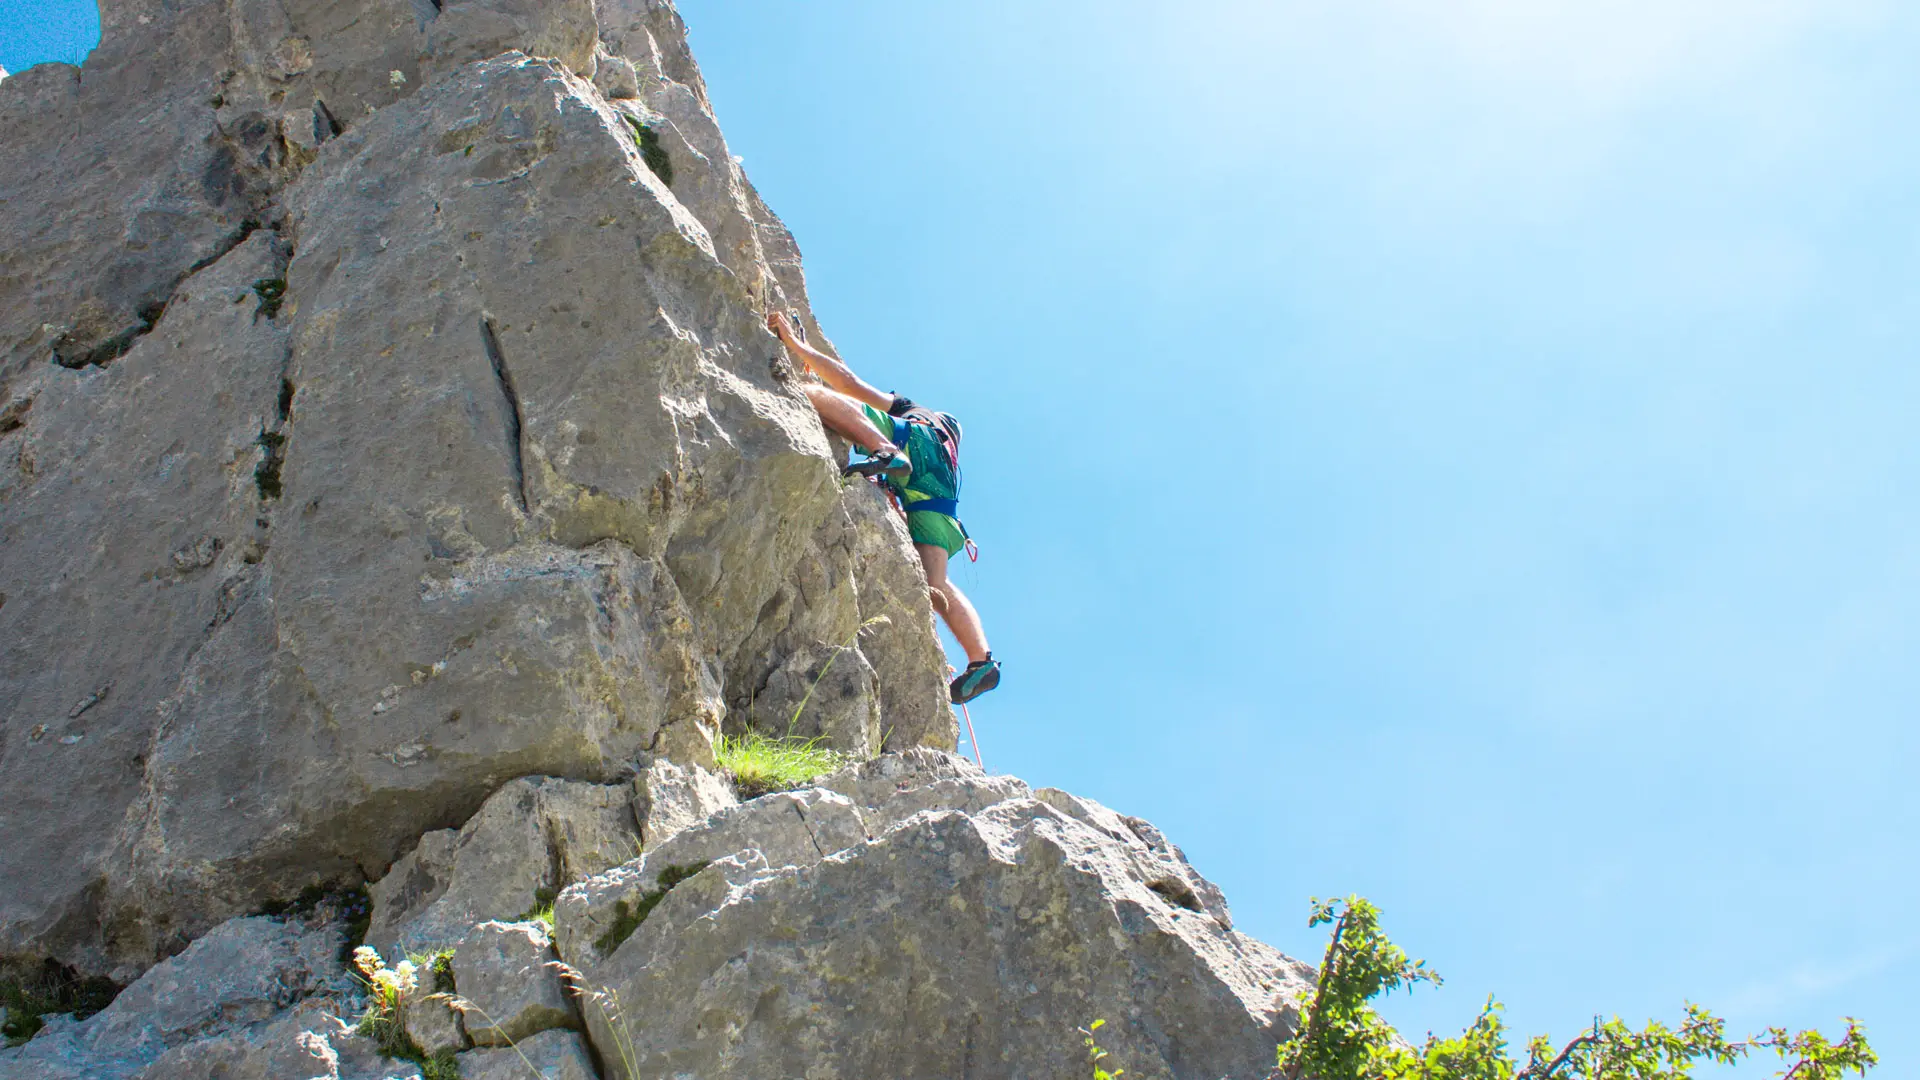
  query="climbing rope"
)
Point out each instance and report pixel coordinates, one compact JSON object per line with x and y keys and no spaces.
{"x":972,"y":739}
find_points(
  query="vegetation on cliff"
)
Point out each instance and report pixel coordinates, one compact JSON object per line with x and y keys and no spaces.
{"x":1341,"y":1037}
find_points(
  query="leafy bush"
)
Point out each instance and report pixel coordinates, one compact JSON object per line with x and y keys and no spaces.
{"x":1095,"y":1055}
{"x":1342,"y":1038}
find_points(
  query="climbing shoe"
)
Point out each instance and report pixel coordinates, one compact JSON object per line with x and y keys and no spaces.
{"x":980,"y":677}
{"x":886,"y":462}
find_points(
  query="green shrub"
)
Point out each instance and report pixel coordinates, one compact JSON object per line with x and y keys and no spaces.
{"x":349,"y":905}
{"x":355,"y":905}
{"x":1341,"y":1038}
{"x":1095,"y":1055}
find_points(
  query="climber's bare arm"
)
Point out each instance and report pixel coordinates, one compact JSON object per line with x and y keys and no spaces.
{"x":835,"y":374}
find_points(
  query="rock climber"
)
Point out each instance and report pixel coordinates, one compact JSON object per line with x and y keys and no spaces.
{"x":915,"y":453}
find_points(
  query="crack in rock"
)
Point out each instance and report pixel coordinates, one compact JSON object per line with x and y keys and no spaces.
{"x":490,"y":339}
{"x":70,"y":352}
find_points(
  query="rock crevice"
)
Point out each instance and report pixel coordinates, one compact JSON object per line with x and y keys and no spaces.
{"x":490,"y":340}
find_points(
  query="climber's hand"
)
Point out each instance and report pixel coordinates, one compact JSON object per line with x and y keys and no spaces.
{"x":777,"y":323}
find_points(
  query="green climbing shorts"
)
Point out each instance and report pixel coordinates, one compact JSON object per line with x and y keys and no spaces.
{"x":927,"y":527}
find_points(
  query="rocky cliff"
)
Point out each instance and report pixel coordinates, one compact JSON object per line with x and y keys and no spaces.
{"x":398,"y":485}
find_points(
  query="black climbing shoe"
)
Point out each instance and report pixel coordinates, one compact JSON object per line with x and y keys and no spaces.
{"x":980,"y":677}
{"x":885,"y":462}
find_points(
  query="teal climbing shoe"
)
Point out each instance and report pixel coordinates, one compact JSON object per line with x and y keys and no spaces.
{"x":980,"y":677}
{"x":885,"y":462}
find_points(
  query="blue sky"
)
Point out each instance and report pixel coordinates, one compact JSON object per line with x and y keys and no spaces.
{"x":1464,"y":458}
{"x":1460,"y":459}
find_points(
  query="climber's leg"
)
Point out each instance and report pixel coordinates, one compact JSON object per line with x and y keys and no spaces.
{"x":843,"y":416}
{"x":952,"y":604}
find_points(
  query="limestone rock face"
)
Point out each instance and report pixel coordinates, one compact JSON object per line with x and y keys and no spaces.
{"x":976,"y":929}
{"x":890,"y":789}
{"x":294,"y":1044}
{"x":386,"y":413}
{"x":245,"y":972}
{"x":532,"y":838}
{"x":910,"y":916}
{"x":668,"y":798}
{"x":784,"y":829}
{"x":133,"y":567}
{"x":531,"y":835}
{"x":508,"y":983}
{"x":434,"y":1024}
{"x":550,"y":1055}
{"x":115,"y":187}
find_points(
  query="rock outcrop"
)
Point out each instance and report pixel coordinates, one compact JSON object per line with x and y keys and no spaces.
{"x":242,"y":980}
{"x":912,"y":917}
{"x":908,"y":916}
{"x":399,"y":492}
{"x":405,"y":424}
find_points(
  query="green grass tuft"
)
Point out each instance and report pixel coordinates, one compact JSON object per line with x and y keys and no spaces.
{"x":761,"y":764}
{"x":628,"y":917}
{"x":439,"y":965}
{"x":542,"y":909}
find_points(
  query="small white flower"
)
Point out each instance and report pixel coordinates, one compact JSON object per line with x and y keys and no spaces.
{"x":396,"y":78}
